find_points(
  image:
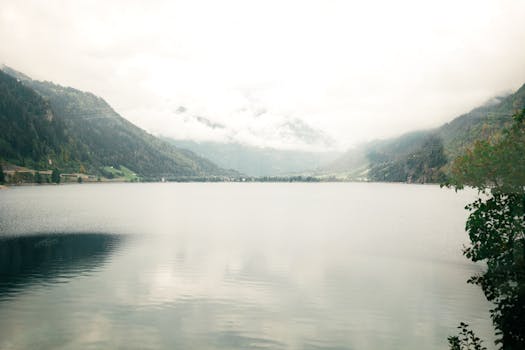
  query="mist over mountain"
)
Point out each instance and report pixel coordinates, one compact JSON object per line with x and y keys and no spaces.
{"x":258,"y":161}
{"x":45,"y":125}
{"x":422,"y":156}
{"x":253,"y":126}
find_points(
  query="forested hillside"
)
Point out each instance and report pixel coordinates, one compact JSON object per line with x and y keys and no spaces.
{"x":424,"y":156}
{"x":422,"y":164}
{"x":50,"y":125}
{"x":480,"y":123}
{"x":30,"y":132}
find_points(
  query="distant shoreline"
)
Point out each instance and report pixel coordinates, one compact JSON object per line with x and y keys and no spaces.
{"x":26,"y":184}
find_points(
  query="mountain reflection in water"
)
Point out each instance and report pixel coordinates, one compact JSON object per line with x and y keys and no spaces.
{"x":42,"y":258}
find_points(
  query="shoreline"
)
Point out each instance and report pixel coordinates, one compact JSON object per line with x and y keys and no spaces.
{"x":8,"y":186}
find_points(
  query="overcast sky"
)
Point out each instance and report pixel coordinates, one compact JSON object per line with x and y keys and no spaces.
{"x":274,"y":73}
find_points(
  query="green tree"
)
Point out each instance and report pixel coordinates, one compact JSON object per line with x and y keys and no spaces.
{"x":38,"y":177}
{"x":466,"y":340}
{"x":55,"y":176}
{"x":2,"y":176}
{"x":496,"y":226}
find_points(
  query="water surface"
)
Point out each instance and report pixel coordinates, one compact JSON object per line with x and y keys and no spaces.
{"x":235,"y":266}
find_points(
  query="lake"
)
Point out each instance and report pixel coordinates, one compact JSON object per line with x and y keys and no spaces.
{"x":235,"y":266}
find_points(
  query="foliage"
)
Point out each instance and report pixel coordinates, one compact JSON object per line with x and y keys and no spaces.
{"x":2,"y":176}
{"x":496,"y":226}
{"x":496,"y":165}
{"x":29,"y":132}
{"x":466,"y":340}
{"x":55,"y":176}
{"x":38,"y":178}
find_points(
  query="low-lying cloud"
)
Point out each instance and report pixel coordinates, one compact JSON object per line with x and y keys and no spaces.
{"x":349,"y":70}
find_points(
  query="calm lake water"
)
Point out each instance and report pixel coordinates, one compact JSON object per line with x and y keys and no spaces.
{"x":235,"y":266}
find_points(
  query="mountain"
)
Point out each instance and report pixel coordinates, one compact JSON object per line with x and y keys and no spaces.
{"x":30,"y":131}
{"x":480,"y":123}
{"x":423,"y":156}
{"x":257,"y":161}
{"x":47,"y":125}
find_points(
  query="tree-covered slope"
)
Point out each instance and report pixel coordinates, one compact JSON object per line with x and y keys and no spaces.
{"x":29,"y":132}
{"x":422,"y":164}
{"x":405,"y":158}
{"x":480,"y":123}
{"x":89,"y":134}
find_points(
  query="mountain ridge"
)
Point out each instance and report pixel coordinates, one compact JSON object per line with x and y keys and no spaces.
{"x":94,"y":136}
{"x":388,"y":159}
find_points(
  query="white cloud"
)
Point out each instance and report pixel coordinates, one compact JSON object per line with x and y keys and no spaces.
{"x":357,"y":70}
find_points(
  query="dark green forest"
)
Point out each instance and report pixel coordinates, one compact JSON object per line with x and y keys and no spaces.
{"x":30,"y":133}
